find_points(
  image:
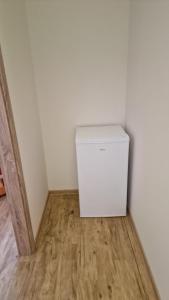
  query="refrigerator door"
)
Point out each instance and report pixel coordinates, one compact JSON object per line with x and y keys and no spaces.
{"x":102,"y":177}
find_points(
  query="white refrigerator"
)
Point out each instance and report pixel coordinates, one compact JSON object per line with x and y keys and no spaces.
{"x":102,"y":163}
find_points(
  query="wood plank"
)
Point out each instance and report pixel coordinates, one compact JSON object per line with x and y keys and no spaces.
{"x":63,"y":192}
{"x":8,"y":248}
{"x":80,"y":258}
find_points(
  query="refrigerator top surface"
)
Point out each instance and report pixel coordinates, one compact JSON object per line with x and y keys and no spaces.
{"x":100,"y":134}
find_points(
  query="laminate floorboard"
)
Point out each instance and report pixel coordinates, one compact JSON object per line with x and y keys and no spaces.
{"x":80,"y":259}
{"x":8,"y":248}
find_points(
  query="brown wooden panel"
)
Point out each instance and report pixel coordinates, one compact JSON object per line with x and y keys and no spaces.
{"x":12,"y":171}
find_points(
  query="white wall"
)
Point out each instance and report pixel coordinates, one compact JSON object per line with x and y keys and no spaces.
{"x":16,"y":52}
{"x":79,"y":53}
{"x":148,"y":122}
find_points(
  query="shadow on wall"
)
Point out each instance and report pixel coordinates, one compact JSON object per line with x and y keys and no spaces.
{"x":130,"y":168}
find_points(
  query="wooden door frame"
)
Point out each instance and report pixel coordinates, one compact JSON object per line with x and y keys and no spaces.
{"x":12,"y":171}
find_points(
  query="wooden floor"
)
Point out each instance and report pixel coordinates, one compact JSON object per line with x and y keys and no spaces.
{"x":80,"y":258}
{"x":8,"y":249}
